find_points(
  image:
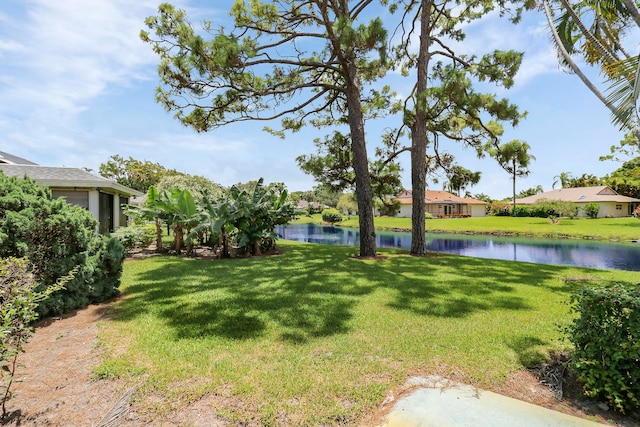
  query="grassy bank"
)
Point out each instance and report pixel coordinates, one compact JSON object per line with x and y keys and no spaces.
{"x":316,"y":337}
{"x":623,"y":229}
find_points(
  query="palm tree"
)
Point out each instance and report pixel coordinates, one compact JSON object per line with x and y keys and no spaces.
{"x":564,"y":178}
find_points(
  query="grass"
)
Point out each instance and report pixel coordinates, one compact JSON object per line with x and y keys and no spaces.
{"x":623,"y":229}
{"x":316,"y":337}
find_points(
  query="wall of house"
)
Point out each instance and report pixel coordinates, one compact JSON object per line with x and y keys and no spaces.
{"x":609,"y":209}
{"x":478,"y":210}
{"x":405,"y":211}
{"x":93,"y":205}
{"x":439,"y":209}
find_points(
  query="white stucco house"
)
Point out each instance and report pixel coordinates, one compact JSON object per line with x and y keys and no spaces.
{"x":612,"y":204}
{"x":104,"y":198}
{"x":442,"y":204}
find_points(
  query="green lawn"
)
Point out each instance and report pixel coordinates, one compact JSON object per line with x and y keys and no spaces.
{"x":316,"y":337}
{"x":581,"y":228}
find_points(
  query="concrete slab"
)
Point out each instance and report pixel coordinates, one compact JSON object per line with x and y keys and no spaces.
{"x":437,"y":402}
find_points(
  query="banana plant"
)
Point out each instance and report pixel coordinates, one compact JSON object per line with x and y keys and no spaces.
{"x":149,"y":211}
{"x":213,"y":219}
{"x":176,"y":208}
{"x":246,"y":219}
{"x":259,"y":213}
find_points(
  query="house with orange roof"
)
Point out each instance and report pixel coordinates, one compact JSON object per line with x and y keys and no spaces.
{"x":442,"y":204}
{"x":612,"y":205}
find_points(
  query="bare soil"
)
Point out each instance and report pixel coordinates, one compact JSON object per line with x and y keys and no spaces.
{"x":56,"y":387}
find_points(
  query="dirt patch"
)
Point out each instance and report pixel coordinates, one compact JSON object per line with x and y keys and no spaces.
{"x":56,"y":387}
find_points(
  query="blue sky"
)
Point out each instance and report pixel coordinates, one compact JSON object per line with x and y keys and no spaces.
{"x":77,"y":86}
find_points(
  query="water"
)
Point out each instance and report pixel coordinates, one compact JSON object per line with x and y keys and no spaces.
{"x":579,"y":253}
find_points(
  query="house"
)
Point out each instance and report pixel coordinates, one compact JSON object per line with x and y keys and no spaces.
{"x":612,"y":204}
{"x":104,"y":198}
{"x":442,"y":204}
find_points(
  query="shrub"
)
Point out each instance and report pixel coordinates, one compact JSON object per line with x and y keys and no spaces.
{"x":331,"y":216}
{"x":97,"y":279}
{"x":606,"y":337}
{"x":135,"y":236}
{"x":592,"y":210}
{"x":545,"y":208}
{"x":56,"y":238}
{"x":428,"y":216}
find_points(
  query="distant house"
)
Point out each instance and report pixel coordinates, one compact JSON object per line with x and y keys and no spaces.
{"x":102,"y":197}
{"x":306,"y":206}
{"x":442,"y":204}
{"x":612,"y":204}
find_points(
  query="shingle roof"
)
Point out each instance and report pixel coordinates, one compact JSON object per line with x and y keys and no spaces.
{"x":13,"y":160}
{"x":436,"y":196}
{"x":65,"y":177}
{"x":579,"y":195}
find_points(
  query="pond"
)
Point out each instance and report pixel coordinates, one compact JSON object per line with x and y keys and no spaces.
{"x":579,"y":253}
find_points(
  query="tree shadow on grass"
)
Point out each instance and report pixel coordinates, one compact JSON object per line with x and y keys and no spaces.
{"x":452,"y":286}
{"x":238,"y":299}
{"x":310,"y":291}
{"x":530,"y":350}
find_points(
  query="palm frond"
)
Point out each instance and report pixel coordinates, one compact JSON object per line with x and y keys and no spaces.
{"x":624,"y":91}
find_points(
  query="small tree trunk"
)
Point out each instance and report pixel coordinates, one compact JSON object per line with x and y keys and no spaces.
{"x":513,"y":212}
{"x":177,"y":237}
{"x":225,"y":246}
{"x":158,"y":235}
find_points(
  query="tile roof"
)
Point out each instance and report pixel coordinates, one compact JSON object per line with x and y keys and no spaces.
{"x":437,"y":196}
{"x":600,"y":193}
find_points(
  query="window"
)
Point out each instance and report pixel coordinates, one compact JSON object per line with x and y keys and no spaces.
{"x":619,"y":207}
{"x":78,"y":198}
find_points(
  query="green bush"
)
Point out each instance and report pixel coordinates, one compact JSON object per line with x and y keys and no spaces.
{"x":57,"y":238}
{"x":331,"y":216}
{"x":545,"y":208}
{"x":135,"y":236}
{"x":591,"y":210}
{"x":606,"y":339}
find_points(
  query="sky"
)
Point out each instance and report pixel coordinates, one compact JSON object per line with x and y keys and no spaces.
{"x":77,"y":86}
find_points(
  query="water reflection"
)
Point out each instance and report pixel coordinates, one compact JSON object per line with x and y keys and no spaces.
{"x":615,"y":256}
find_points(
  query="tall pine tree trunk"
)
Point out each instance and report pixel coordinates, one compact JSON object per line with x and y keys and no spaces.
{"x":360,"y":164}
{"x":419,"y":138}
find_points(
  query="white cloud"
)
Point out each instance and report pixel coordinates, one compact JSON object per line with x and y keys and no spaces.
{"x":72,"y":51}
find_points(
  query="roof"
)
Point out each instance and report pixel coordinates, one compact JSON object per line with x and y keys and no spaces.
{"x":438,"y":197}
{"x":6,"y":158}
{"x":600,"y":193}
{"x":61,"y":177}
